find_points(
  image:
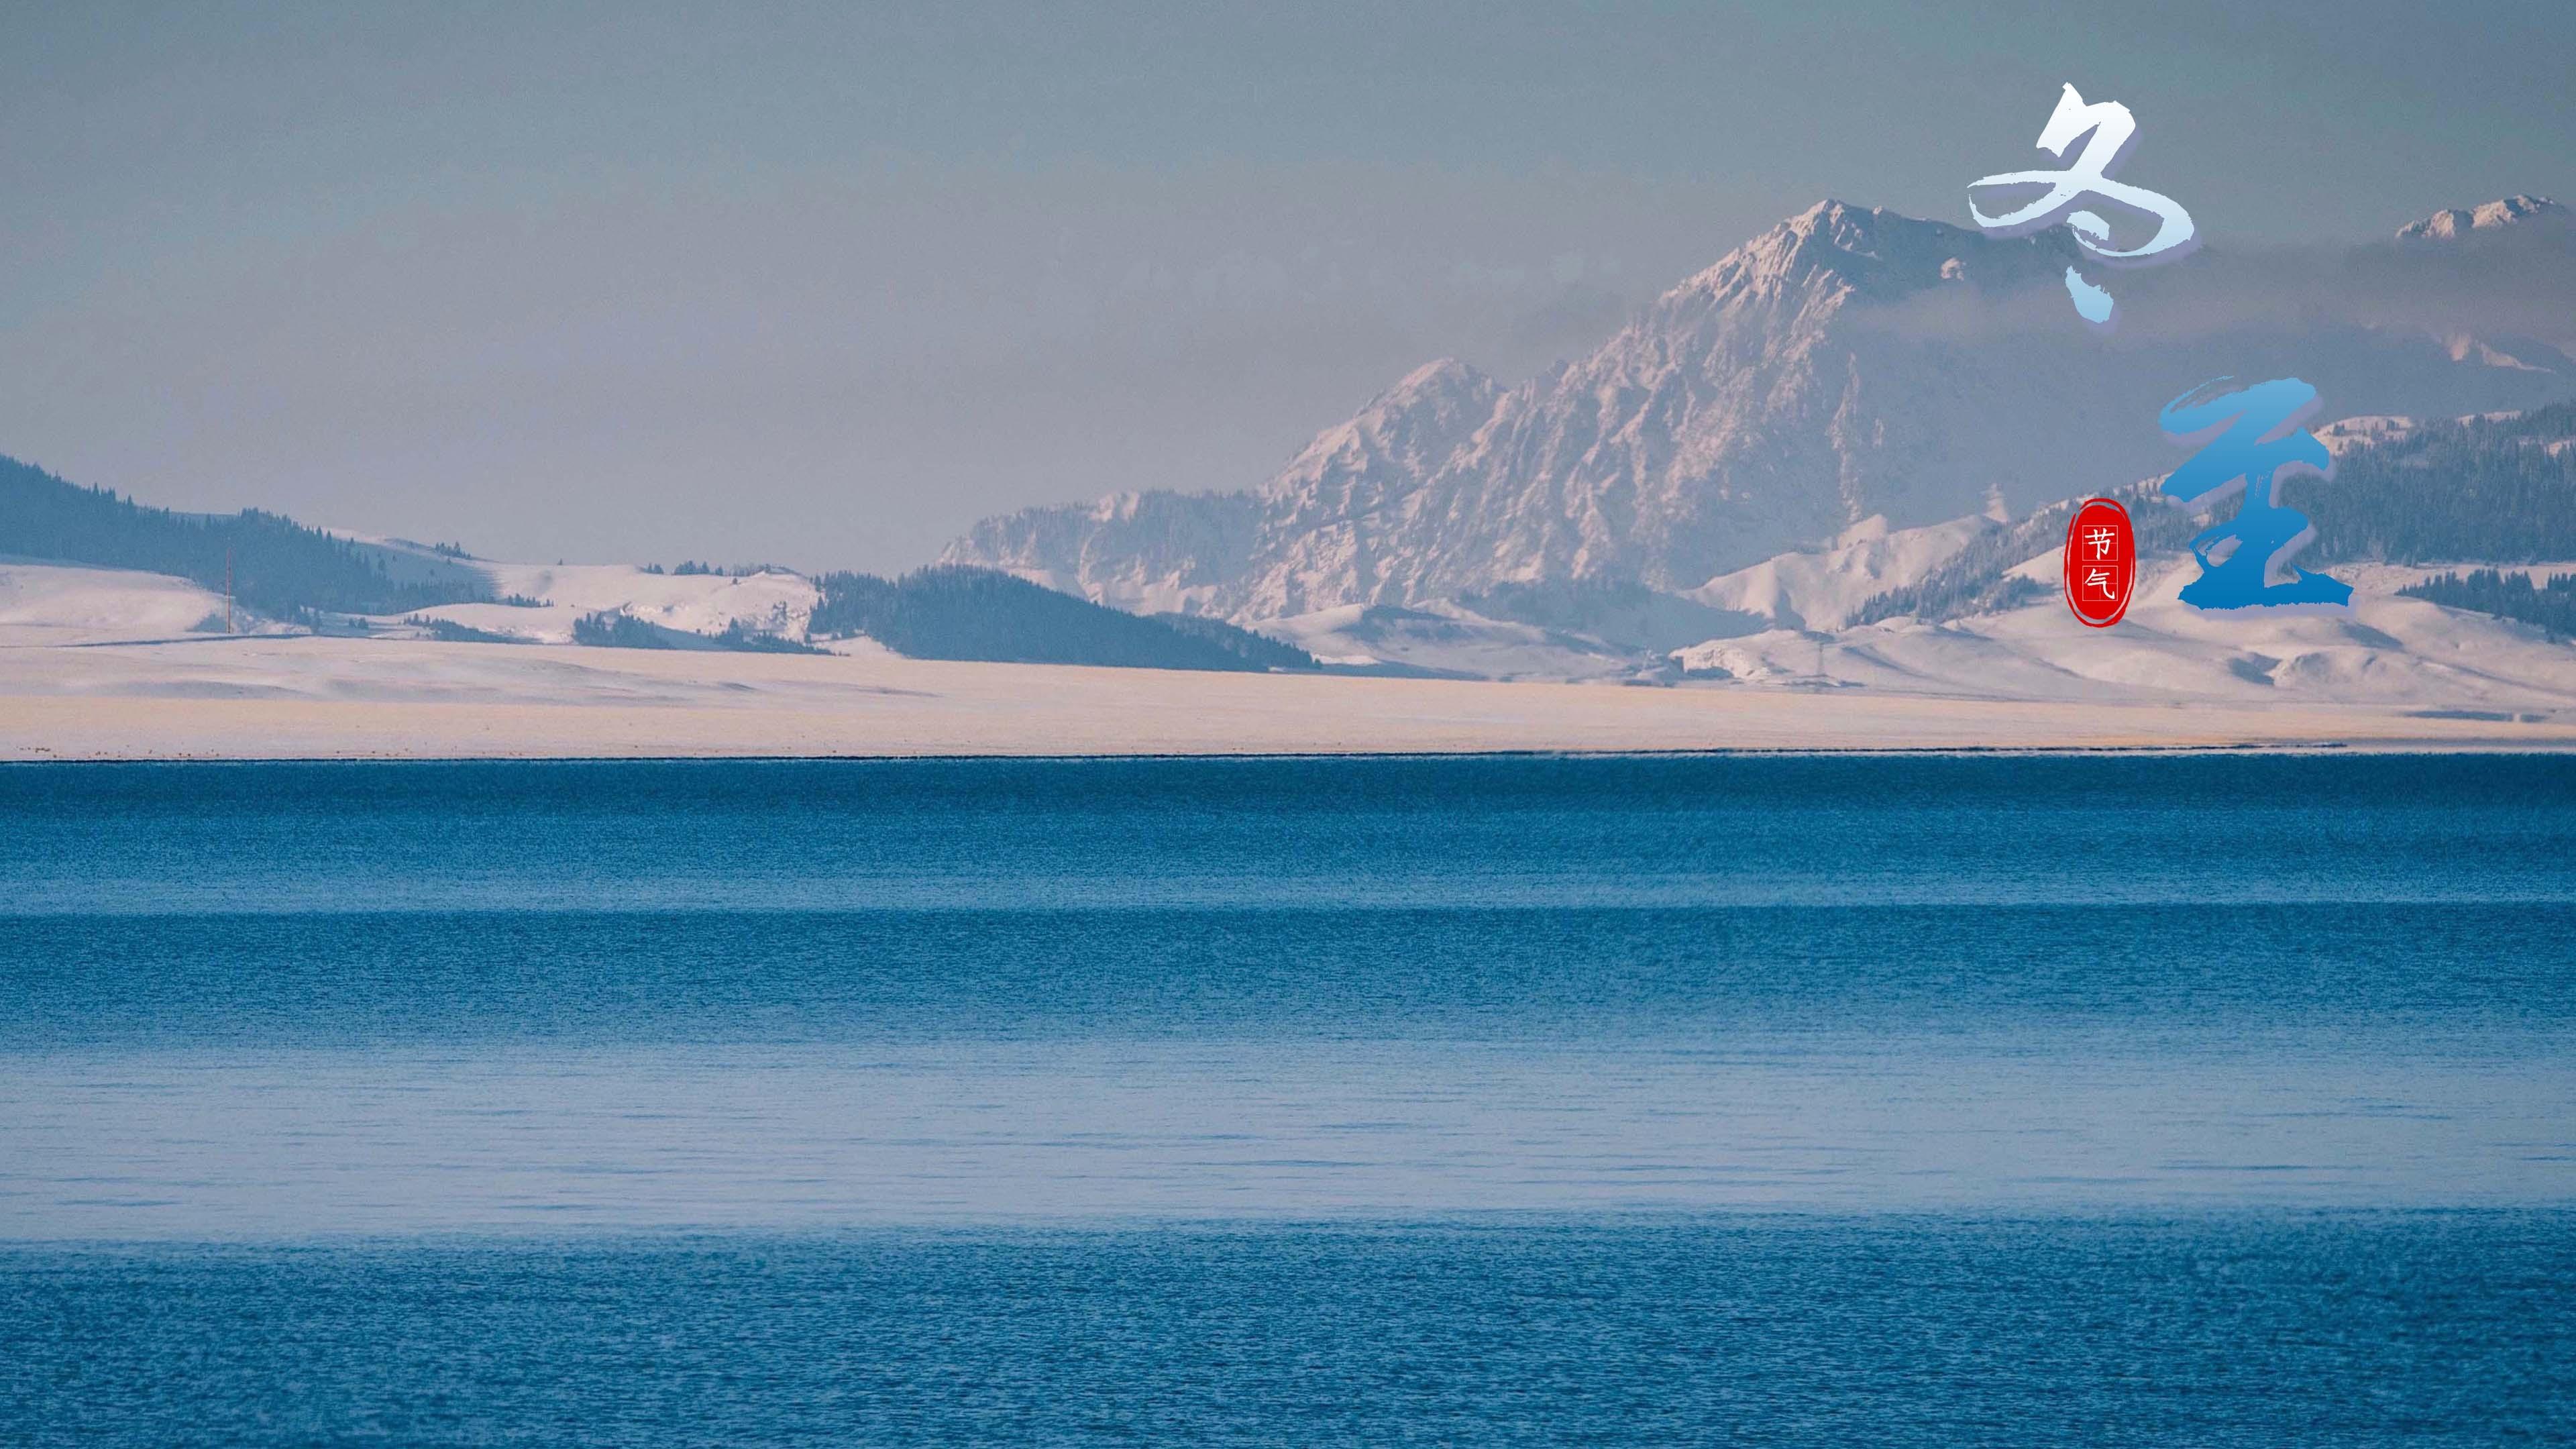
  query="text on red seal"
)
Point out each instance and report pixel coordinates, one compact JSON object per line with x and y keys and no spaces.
{"x":2101,"y":562}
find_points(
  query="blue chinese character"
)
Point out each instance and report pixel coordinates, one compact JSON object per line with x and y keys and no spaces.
{"x":2252,"y":437}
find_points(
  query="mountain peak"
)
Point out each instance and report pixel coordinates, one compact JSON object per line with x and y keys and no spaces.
{"x":1406,"y":430}
{"x":1441,"y":375}
{"x":1829,"y":213}
{"x":1870,"y":250}
{"x":2493,"y":216}
{"x":1442,"y":390}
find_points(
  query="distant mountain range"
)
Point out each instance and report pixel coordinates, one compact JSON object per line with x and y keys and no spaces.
{"x":1849,"y":366}
{"x":281,"y":572}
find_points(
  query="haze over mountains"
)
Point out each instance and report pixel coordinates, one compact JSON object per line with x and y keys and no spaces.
{"x":1829,"y":460}
{"x":1850,"y":368}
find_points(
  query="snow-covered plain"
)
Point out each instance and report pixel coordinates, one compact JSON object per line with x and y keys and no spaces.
{"x":306,"y":697}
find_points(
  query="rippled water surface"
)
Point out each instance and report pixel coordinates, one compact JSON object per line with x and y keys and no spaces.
{"x":1876,"y":1100}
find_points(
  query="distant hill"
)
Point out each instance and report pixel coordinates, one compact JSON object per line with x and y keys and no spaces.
{"x":952,"y":612}
{"x":1258,"y":651}
{"x":282,"y":569}
{"x":278,"y":567}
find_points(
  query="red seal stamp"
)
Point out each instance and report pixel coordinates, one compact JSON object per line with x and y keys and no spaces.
{"x":2101,"y":562}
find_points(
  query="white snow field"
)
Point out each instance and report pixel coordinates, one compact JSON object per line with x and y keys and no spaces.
{"x":1824,"y":588}
{"x":55,"y":603}
{"x":64,"y":604}
{"x":772,"y":602}
{"x":1446,"y":640}
{"x":306,"y":697}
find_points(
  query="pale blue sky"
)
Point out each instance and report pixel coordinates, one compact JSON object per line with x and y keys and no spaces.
{"x":822,"y":284}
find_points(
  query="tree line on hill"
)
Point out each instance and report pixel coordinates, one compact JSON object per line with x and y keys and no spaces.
{"x":2492,"y":490}
{"x":275,"y":565}
{"x":2552,"y":606}
{"x":956,"y":612}
{"x":617,"y":629}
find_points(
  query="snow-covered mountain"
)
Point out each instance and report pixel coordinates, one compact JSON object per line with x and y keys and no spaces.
{"x":2525,"y":212}
{"x":1850,"y":364}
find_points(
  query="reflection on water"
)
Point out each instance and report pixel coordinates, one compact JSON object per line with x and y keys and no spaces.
{"x":194,"y":1145}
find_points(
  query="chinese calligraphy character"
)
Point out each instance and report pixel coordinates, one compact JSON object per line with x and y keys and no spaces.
{"x":2099,"y":580}
{"x":2101,"y":541}
{"x":2252,"y":437}
{"x":2112,"y":130}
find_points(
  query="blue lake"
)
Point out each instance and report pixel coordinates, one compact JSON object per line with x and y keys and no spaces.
{"x":1875,"y":1100}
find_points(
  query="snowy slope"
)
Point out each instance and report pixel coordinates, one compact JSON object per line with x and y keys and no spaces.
{"x":775,"y":602}
{"x":53,"y":603}
{"x":1447,"y":641}
{"x":2386,"y":650}
{"x":1824,"y":588}
{"x":43,"y":603}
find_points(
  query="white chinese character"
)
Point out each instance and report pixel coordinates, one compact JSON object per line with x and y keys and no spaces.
{"x":2112,"y":129}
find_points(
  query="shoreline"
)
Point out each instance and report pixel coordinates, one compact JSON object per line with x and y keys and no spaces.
{"x":301,"y":698}
{"x":2365,"y":749}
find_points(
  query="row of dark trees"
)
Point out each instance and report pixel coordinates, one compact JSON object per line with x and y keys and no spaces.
{"x":277,"y":566}
{"x":2552,"y":606}
{"x":2493,"y":490}
{"x":953,"y":612}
